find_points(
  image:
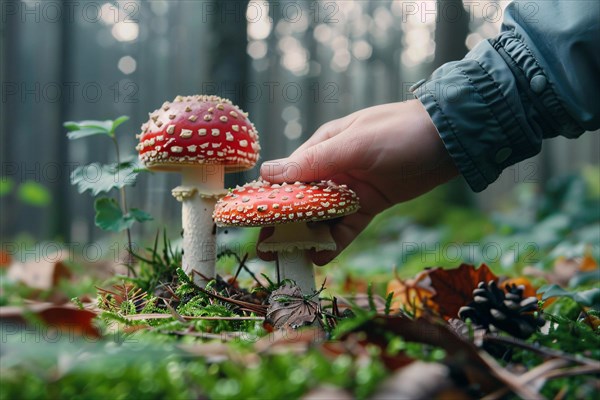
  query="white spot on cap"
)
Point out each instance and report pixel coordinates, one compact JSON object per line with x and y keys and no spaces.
{"x":236,"y":128}
{"x":243,"y":143}
{"x":192,"y":148}
{"x":176,"y":149}
{"x":223,"y":118}
{"x":186,"y":133}
{"x":193,"y":118}
{"x":202,"y":132}
{"x":229,"y":137}
{"x":215,"y":132}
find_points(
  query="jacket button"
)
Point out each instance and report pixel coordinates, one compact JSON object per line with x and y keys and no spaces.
{"x":538,"y":84}
{"x":502,"y":155}
{"x":416,"y":85}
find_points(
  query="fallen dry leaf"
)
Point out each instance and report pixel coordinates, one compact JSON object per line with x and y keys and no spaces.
{"x":438,"y":290}
{"x":57,"y":322}
{"x":353,"y":284}
{"x":528,"y":289}
{"x":454,"y":287}
{"x":42,"y":275}
{"x":411,"y":295}
{"x":288,"y":307}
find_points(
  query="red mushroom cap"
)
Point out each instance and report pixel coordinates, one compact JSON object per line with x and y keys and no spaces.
{"x":261,"y":203}
{"x":196,"y":130}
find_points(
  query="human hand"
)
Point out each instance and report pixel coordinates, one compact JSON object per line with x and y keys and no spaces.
{"x":387,"y":154}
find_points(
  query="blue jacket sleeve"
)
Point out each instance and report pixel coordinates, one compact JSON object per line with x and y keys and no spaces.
{"x":538,"y":79}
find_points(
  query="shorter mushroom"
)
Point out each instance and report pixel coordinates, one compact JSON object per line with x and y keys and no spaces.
{"x":289,"y":208}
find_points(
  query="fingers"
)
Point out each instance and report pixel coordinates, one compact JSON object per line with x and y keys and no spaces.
{"x":327,"y":131}
{"x":320,"y":157}
{"x":323,"y":160}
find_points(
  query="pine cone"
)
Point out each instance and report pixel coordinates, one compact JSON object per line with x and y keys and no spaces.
{"x":508,"y":311}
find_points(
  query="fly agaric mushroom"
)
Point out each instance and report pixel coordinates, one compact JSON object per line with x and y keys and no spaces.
{"x":202,"y":137}
{"x":288,"y":208}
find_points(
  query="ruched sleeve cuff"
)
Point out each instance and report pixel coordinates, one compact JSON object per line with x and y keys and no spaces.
{"x":493,"y":108}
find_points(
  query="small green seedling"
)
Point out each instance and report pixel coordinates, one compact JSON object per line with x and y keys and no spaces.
{"x":110,"y":215}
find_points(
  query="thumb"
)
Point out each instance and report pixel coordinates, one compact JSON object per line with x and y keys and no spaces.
{"x":321,"y":161}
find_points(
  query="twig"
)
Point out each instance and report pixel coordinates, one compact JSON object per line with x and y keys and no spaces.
{"x":540,"y":349}
{"x":242,"y":264}
{"x":512,"y":381}
{"x":137,"y":317}
{"x":129,"y":262}
{"x":584,"y":370}
{"x":237,"y":273}
{"x":224,"y":336}
{"x":277,"y":268}
{"x":173,"y":312}
{"x":549,"y":370}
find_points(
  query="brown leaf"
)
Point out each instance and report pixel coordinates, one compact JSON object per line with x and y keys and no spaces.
{"x":288,"y":307}
{"x":355,"y":285}
{"x":42,"y":275}
{"x":411,"y":295}
{"x":58,"y":321}
{"x":438,"y":290}
{"x":454,"y":287}
{"x":528,"y":291}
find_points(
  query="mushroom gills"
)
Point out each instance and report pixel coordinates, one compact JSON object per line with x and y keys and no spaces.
{"x":287,"y":237}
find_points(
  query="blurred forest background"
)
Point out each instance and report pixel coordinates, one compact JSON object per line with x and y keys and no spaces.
{"x":292,"y":65}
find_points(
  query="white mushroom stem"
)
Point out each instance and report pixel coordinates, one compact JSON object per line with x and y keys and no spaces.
{"x":296,"y":265}
{"x":291,"y":241}
{"x":201,"y":187}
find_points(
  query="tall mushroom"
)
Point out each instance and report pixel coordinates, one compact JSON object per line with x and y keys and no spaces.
{"x":288,"y":208}
{"x":202,"y":137}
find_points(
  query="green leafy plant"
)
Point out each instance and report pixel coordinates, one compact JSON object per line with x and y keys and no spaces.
{"x":110,"y":215}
